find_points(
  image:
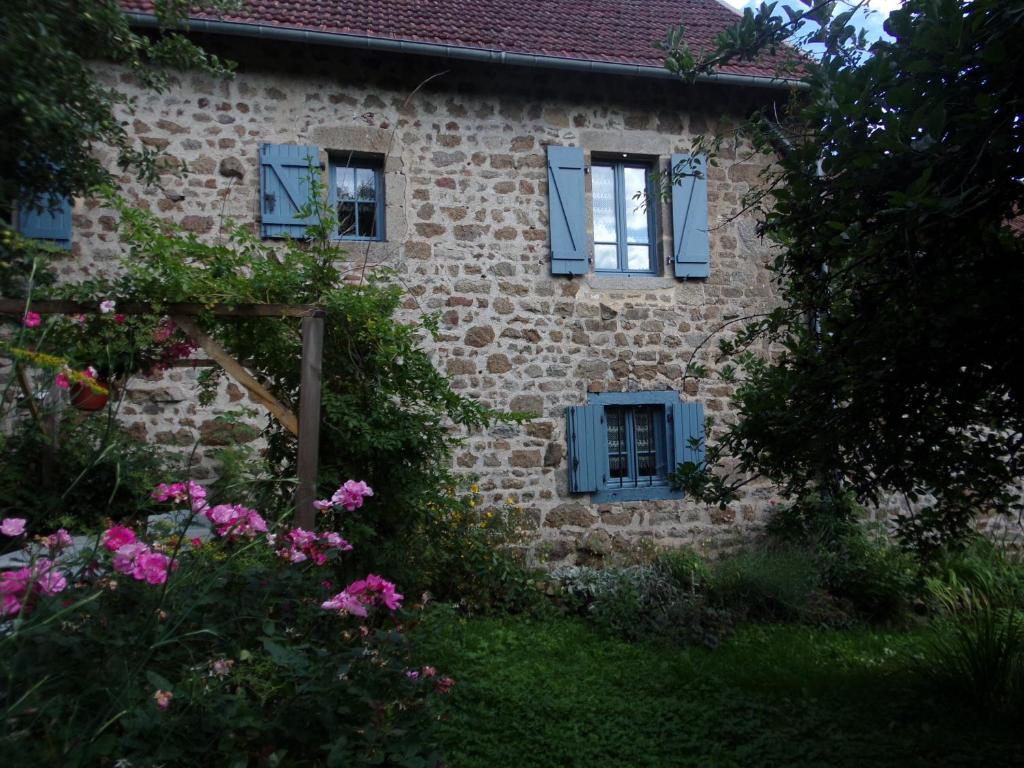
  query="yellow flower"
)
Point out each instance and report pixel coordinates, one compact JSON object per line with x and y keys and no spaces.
{"x":474,"y":488}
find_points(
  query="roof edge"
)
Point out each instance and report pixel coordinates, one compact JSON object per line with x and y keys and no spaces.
{"x":465,"y":53}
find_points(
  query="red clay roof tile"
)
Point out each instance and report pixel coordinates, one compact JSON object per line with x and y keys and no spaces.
{"x":618,"y":31}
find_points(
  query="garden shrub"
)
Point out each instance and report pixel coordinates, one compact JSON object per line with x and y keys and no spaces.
{"x":476,"y":557}
{"x":684,"y":567}
{"x":641,"y":603}
{"x":241,"y":650}
{"x":860,"y":565}
{"x":777,"y":583}
{"x":97,"y":470}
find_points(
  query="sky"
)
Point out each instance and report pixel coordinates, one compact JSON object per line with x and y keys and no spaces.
{"x":871,"y":23}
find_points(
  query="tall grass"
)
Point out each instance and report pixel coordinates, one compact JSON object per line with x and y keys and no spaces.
{"x":978,"y":646}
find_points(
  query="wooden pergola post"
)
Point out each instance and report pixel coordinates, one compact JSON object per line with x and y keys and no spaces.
{"x":309,"y":419}
{"x":306,"y":427}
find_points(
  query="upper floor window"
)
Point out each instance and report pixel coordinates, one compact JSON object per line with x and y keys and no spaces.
{"x":357,"y":194}
{"x":624,"y":231}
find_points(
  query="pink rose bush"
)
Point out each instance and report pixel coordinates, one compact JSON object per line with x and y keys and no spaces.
{"x":107,"y":627}
{"x":133,"y":557}
{"x":350,"y":496}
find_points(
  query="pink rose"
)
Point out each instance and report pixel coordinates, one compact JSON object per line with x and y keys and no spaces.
{"x":62,"y":380}
{"x":59,"y":540}
{"x":351,"y":495}
{"x":49,"y":580}
{"x":32,"y":320}
{"x":107,"y":306}
{"x":152,"y":567}
{"x":163,"y":699}
{"x":345,"y":603}
{"x":117,"y":537}
{"x":12,"y":526}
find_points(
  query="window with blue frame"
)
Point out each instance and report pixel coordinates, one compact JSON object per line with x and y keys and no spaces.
{"x":637,"y":452}
{"x":357,"y":195}
{"x":624,"y":225}
{"x":622,"y":446}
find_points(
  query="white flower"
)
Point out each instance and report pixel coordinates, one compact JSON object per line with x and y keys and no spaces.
{"x":107,"y":306}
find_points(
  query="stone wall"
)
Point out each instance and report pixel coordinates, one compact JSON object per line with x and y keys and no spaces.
{"x":466,"y":227}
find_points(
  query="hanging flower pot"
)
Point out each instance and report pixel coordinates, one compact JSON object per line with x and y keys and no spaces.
{"x":85,"y":398}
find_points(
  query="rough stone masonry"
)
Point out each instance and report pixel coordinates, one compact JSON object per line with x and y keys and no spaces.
{"x":466,"y":224}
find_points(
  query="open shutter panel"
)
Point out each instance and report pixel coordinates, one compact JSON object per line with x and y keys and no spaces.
{"x":285,"y":187}
{"x":585,"y":434}
{"x":49,"y":224}
{"x":688,"y":423}
{"x":567,"y":220}
{"x":690,"y":250}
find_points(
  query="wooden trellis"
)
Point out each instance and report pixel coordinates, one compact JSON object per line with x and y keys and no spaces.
{"x":305,"y":427}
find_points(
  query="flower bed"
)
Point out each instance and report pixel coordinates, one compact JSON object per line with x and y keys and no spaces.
{"x":236,"y":649}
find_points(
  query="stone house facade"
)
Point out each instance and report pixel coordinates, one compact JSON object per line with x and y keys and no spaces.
{"x":499,"y":182}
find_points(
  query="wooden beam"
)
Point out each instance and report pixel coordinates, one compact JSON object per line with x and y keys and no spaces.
{"x":309,"y":420}
{"x":189,"y":309}
{"x":238,"y":372}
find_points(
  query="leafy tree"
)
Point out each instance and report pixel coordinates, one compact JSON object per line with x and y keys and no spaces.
{"x":895,"y":197}
{"x":55,"y":111}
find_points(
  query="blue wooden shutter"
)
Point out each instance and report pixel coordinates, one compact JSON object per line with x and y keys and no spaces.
{"x":567,"y":217}
{"x":49,"y":224}
{"x":687,"y":424}
{"x":586,"y":438}
{"x":690,"y":250}
{"x":285,"y":187}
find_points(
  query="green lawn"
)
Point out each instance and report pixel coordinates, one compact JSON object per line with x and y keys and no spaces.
{"x":554,"y":692}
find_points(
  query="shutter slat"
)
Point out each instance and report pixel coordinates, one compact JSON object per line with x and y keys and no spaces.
{"x":690,"y":248}
{"x":584,"y":437}
{"x":567,"y":219}
{"x":53,"y":225}
{"x":285,"y":187}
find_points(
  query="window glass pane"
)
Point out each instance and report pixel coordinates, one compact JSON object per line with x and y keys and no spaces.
{"x":618,"y":465}
{"x":643,"y":436}
{"x":344,"y":182}
{"x":636,"y":206}
{"x":606,"y":257}
{"x":604,"y":204}
{"x":366,"y":181}
{"x":346,"y":218}
{"x":367,"y":219}
{"x":639,"y":258}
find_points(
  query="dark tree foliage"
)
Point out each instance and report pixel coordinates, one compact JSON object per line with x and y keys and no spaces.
{"x":896,"y":200}
{"x":56,"y":113}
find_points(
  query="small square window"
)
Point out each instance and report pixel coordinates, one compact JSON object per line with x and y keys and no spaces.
{"x":623,"y":446}
{"x":624,"y":225}
{"x":357,"y":195}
